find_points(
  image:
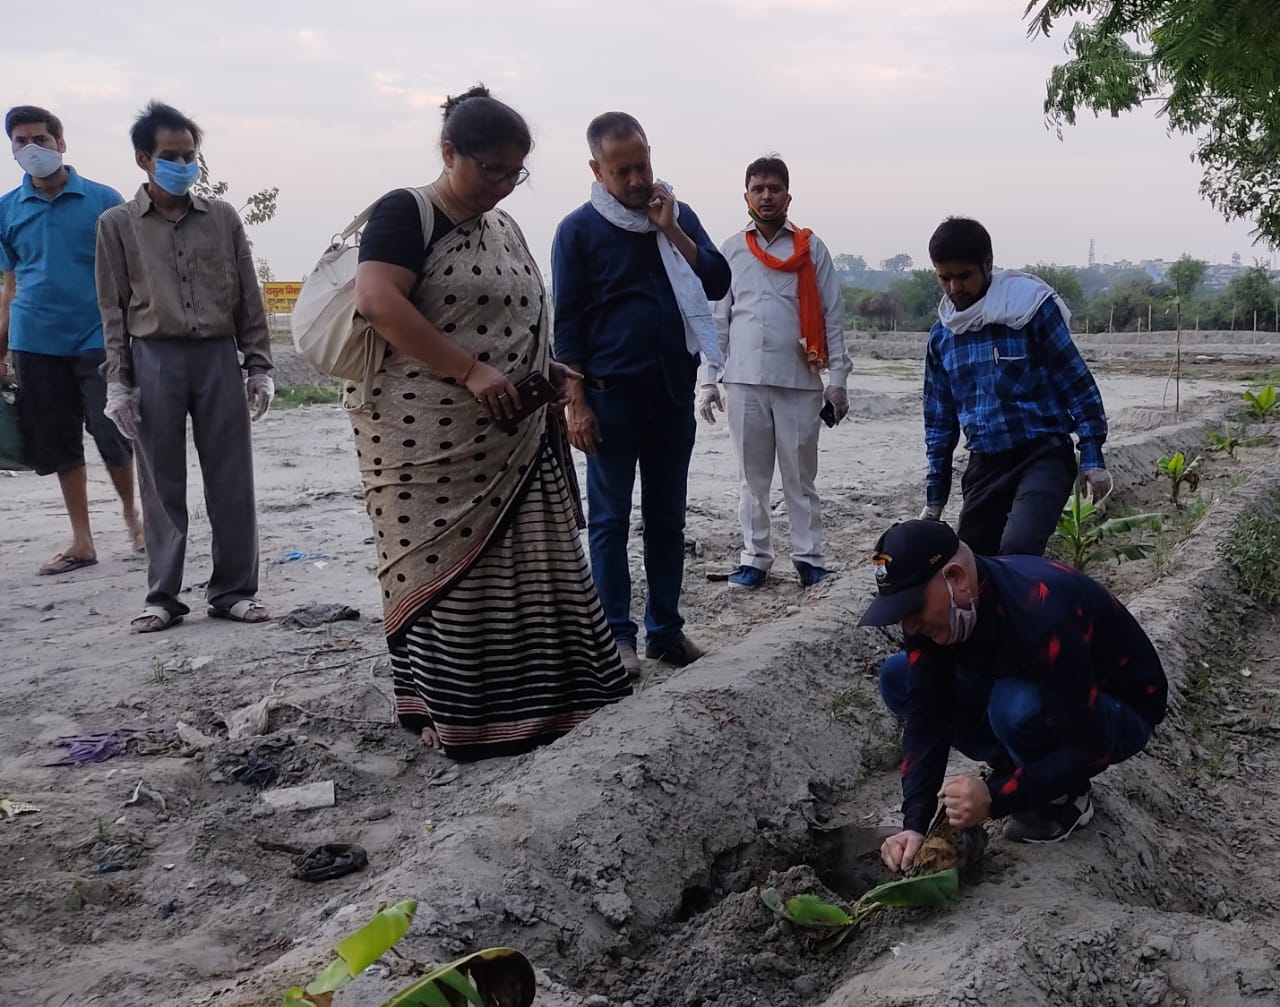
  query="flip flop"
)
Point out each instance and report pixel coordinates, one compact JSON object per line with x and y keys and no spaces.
{"x":62,"y":563}
{"x":153,"y":619}
{"x":240,"y":611}
{"x":333,"y":860}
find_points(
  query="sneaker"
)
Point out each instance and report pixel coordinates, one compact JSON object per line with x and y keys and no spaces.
{"x":679,"y":653}
{"x":1052,"y":822}
{"x":630,"y":660}
{"x":810,"y":574}
{"x":748,"y":576}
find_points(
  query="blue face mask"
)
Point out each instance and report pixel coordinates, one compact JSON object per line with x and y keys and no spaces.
{"x":176,"y":178}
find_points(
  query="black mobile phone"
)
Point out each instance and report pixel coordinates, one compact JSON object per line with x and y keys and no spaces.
{"x":827,"y":414}
{"x":535,"y":392}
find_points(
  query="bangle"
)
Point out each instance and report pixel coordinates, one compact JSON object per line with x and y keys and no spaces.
{"x":470,"y":367}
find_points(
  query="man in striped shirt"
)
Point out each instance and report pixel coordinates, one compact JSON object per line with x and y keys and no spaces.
{"x":1001,"y":367}
{"x":180,"y":306}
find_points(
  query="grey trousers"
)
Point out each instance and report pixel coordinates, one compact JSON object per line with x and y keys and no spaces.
{"x":200,"y":378}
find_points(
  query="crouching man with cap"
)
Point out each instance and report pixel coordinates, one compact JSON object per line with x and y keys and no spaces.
{"x":1015,"y":661}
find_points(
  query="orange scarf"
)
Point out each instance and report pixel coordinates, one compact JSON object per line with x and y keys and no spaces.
{"x":813,"y":328}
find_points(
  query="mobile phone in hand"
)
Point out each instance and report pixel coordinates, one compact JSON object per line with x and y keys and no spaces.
{"x":535,"y":392}
{"x":827,"y":414}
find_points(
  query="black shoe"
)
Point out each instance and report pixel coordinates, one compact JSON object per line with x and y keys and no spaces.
{"x":810,"y":574}
{"x":678,"y":653}
{"x":1052,"y":822}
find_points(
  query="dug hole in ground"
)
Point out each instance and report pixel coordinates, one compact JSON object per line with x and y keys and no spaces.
{"x":626,"y":860}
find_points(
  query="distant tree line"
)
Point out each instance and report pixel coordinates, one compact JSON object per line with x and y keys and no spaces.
{"x":904,"y":298}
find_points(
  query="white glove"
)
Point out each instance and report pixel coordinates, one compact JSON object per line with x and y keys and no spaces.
{"x":260,"y":390}
{"x":709,"y":401}
{"x":123,"y":408}
{"x":838,"y":399}
{"x":932,"y":512}
{"x":1096,"y":483}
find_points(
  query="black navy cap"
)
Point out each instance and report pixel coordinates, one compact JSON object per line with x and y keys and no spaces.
{"x":907,"y":557}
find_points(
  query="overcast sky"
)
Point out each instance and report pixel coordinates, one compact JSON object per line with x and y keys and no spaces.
{"x":891,"y":115}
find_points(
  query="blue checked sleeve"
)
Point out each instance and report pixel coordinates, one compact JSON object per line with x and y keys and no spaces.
{"x":941,"y":425}
{"x":1078,"y":389}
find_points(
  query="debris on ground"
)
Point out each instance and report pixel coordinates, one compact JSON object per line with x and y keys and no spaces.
{"x":301,"y":798}
{"x":12,"y":809}
{"x":311,"y":616}
{"x":193,"y":736}
{"x":144,"y":793}
{"x":252,"y":720}
{"x":102,"y":745}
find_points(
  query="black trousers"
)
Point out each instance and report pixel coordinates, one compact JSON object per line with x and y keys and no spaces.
{"x":1012,"y":499}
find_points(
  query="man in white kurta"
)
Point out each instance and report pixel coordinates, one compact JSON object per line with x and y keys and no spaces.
{"x":776,"y":342}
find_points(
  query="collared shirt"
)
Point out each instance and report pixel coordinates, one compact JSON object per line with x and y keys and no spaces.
{"x":615,"y":313}
{"x":1004,"y":387}
{"x":48,"y":245}
{"x":1042,"y":621}
{"x":187,"y":279}
{"x":758,"y":322}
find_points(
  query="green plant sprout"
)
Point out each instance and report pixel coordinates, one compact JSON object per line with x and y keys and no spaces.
{"x":833,"y":924}
{"x":1082,"y":531}
{"x":1179,"y":471}
{"x":1225,"y":441}
{"x":1261,"y":403}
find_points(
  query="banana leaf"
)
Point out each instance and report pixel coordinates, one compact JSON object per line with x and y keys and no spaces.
{"x":495,"y":977}
{"x":937,"y":889}
{"x":811,"y":911}
{"x":355,"y":954}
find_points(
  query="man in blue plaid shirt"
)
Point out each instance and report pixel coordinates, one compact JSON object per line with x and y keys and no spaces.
{"x":1002,"y":367}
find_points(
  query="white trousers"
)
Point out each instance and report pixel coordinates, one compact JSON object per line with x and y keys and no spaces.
{"x":768,"y":423}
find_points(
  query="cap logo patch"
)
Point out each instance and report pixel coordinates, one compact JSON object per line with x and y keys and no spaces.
{"x":881,"y":561}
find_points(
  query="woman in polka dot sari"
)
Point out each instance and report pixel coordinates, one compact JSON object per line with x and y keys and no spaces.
{"x":497,"y":639}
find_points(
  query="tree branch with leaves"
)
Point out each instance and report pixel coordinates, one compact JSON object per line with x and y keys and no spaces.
{"x":257,"y":209}
{"x":1213,"y":67}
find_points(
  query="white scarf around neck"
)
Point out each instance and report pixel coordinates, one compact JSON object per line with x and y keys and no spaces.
{"x":691,"y":298}
{"x":1012,"y":299}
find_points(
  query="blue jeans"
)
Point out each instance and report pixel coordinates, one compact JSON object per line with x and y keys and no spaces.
{"x":640,"y":426}
{"x":1005,"y":716}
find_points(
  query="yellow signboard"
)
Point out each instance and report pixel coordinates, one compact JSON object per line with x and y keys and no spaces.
{"x":280,"y":297}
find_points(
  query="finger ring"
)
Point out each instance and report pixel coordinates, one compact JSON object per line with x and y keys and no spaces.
{"x":479,"y":401}
{"x":502,"y":395}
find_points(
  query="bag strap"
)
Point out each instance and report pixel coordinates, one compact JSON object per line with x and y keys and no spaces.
{"x":426,"y":213}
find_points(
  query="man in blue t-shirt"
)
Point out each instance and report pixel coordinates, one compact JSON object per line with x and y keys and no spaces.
{"x":633,"y":274}
{"x":49,"y":318}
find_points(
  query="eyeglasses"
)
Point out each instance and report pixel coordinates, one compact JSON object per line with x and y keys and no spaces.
{"x":497,"y":173}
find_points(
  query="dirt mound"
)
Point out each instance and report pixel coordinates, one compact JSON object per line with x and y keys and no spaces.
{"x":624,"y":860}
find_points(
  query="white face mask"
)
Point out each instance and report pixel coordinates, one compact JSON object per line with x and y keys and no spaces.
{"x":37,"y":161}
{"x":963,"y":620}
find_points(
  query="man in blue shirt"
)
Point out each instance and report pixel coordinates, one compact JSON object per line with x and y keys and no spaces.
{"x":1002,"y":367}
{"x":49,"y":318}
{"x":633,"y":272}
